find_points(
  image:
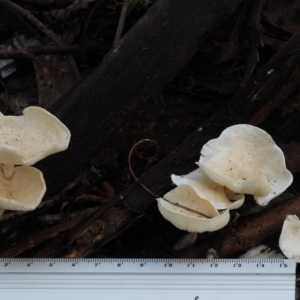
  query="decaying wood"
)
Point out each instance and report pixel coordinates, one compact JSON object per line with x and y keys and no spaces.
{"x":241,"y":235}
{"x":116,"y":221}
{"x":95,"y":109}
{"x":148,"y":57}
{"x":252,"y":104}
{"x":32,"y":240}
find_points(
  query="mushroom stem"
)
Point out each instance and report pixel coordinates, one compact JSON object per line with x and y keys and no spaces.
{"x":8,"y":171}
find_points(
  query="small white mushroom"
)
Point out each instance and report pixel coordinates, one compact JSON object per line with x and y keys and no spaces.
{"x":24,"y":191}
{"x":289,"y":241}
{"x":187,"y":211}
{"x":261,"y":252}
{"x":205,"y":188}
{"x":246,"y":160}
{"x":186,"y":240}
{"x":26,"y":139}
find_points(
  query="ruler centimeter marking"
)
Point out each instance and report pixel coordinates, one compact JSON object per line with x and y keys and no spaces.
{"x":159,"y":279}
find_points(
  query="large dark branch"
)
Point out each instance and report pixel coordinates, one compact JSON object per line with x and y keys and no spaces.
{"x":148,"y":57}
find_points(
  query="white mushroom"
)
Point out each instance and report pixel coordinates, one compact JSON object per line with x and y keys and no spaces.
{"x":187,"y":211}
{"x":261,"y":252}
{"x":246,"y":160}
{"x":289,"y":241}
{"x":24,"y":191}
{"x":26,"y":139}
{"x":209,"y":190}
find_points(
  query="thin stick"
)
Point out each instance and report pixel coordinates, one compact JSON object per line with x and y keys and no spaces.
{"x":32,"y":52}
{"x":121,"y":22}
{"x":130,"y":167}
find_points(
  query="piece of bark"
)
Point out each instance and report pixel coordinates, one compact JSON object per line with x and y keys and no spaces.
{"x":29,"y":241}
{"x":248,"y":232}
{"x":101,"y":228}
{"x":148,"y":57}
{"x":111,"y":225}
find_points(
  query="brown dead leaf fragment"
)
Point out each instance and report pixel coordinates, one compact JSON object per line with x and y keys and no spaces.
{"x":110,"y":192}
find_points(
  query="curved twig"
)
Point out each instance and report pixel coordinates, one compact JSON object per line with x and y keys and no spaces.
{"x":130,"y":167}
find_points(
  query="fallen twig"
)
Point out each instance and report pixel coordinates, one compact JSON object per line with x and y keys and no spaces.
{"x":30,"y":53}
{"x":121,"y":22}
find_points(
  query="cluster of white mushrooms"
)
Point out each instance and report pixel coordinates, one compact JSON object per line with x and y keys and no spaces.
{"x":243,"y":160}
{"x":24,"y":140}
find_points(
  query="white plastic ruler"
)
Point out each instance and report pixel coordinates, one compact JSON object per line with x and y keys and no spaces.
{"x":147,"y":279}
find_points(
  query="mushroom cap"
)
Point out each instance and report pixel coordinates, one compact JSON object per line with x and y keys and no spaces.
{"x":209,"y":190}
{"x":26,"y":139}
{"x":246,"y":160}
{"x":24,"y":191}
{"x":289,"y":241}
{"x":187,"y":211}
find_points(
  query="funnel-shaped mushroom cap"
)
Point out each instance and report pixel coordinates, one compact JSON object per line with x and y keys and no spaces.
{"x":209,"y":190}
{"x":246,"y":160}
{"x":187,"y":211}
{"x":24,"y":191}
{"x":26,"y":139}
{"x":289,"y":241}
